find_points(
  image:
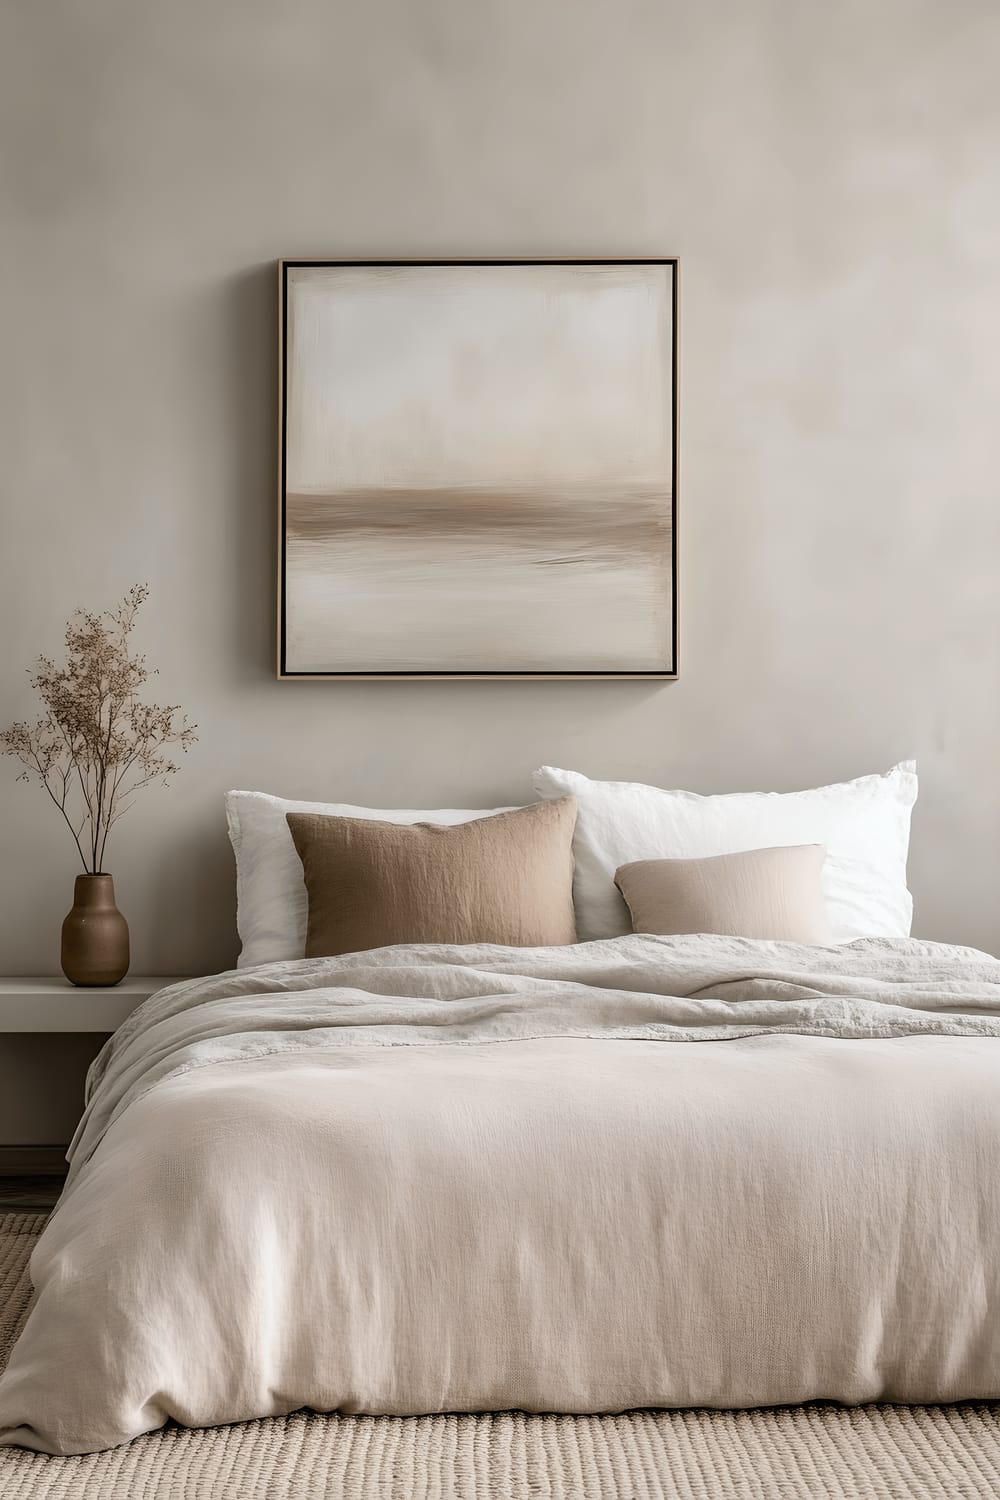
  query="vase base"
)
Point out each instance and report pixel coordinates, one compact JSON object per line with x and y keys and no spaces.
{"x":98,"y":983}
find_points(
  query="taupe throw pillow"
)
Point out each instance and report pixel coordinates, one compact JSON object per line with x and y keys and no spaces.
{"x":760,"y":893}
{"x":503,"y":879}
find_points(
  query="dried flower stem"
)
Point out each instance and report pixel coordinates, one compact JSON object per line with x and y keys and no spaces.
{"x":97,"y":743}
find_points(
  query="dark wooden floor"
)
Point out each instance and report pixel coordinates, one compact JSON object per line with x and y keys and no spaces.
{"x":29,"y":1194}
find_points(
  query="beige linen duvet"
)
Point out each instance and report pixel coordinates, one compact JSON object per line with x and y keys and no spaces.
{"x":651,"y":1171}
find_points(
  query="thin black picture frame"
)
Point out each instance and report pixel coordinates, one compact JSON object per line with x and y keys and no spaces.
{"x":283,"y":672}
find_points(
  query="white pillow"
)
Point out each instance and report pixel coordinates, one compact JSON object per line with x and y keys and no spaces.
{"x":865,"y":825}
{"x":271,"y":901}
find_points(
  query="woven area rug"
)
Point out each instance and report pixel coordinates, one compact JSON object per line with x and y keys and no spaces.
{"x":821,"y":1452}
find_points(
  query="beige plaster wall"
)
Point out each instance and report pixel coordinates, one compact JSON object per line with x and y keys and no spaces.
{"x":828,"y":176}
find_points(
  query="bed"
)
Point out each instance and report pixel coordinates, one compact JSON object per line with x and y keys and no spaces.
{"x":641,"y":1171}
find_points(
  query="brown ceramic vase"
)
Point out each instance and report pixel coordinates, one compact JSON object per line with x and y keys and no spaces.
{"x":95,"y":934}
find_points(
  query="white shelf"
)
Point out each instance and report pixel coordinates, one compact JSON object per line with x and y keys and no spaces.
{"x":53,"y":1004}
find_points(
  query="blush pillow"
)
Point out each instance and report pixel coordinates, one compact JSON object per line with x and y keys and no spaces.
{"x":504,"y":879}
{"x":759,"y":893}
{"x":270,"y":896}
{"x":864,"y":825}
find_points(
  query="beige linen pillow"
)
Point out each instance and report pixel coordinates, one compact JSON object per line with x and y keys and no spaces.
{"x":503,"y":879}
{"x":760,"y":893}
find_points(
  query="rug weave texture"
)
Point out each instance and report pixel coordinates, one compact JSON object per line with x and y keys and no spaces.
{"x":821,"y":1452}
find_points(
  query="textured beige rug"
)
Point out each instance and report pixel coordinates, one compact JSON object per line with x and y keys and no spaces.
{"x":820,"y":1452}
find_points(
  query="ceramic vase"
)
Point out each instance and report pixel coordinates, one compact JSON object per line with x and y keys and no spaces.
{"x":94,"y":934}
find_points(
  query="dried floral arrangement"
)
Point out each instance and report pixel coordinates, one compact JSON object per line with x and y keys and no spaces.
{"x":97,"y":743}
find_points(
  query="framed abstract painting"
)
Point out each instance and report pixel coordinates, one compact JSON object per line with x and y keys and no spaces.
{"x":478,"y":466}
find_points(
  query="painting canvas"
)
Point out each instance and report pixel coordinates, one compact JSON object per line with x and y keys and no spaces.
{"x":478,"y":469}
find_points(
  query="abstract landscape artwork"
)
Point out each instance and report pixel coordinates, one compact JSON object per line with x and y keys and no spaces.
{"x":478,"y":469}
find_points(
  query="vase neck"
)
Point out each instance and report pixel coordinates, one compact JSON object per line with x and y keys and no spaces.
{"x":94,"y":890}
